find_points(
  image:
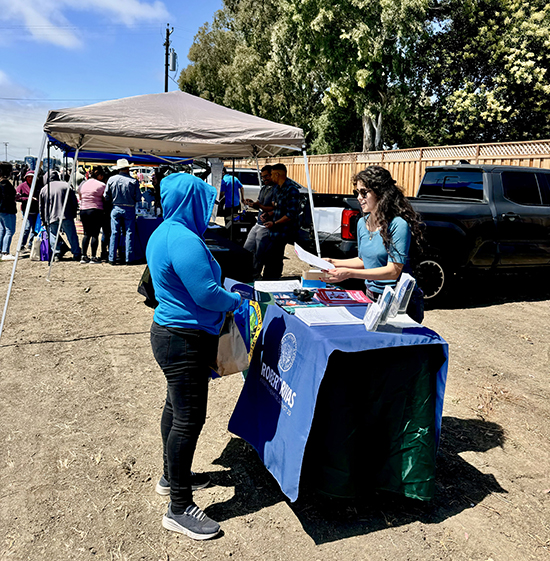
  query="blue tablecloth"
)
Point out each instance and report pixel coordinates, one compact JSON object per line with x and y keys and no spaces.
{"x":276,"y":407}
{"x":144,"y":228}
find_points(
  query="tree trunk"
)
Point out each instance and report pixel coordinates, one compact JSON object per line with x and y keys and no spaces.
{"x":368,"y":138}
{"x":378,"y":130}
{"x":372,"y":130}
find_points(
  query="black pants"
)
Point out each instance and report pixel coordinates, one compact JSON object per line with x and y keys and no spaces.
{"x":273,"y":257}
{"x":184,"y":356}
{"x":92,"y":220}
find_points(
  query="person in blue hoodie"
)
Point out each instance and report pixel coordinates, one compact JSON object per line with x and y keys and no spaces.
{"x":184,"y":337}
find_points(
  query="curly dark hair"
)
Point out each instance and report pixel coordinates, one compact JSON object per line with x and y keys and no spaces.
{"x":391,"y":202}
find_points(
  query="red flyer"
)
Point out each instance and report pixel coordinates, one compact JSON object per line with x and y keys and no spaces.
{"x":342,"y":297}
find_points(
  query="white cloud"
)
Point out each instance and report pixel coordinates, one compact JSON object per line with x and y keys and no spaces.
{"x":22,"y":122}
{"x":45,"y":20}
{"x":22,"y":127}
{"x":10,"y":89}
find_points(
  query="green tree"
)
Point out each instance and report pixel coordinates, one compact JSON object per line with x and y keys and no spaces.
{"x":484,"y":70}
{"x":212,"y":51}
{"x":356,"y":53}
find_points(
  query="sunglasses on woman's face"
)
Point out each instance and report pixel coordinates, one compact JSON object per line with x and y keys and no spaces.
{"x":362,"y":192}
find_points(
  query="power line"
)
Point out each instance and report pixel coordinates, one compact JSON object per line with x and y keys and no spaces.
{"x":47,"y":99}
{"x":76,"y":27}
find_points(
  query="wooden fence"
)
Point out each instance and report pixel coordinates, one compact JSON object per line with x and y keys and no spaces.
{"x":332,"y":173}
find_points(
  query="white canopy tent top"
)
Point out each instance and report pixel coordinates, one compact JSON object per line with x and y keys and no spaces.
{"x":167,"y":124}
{"x":171,"y":124}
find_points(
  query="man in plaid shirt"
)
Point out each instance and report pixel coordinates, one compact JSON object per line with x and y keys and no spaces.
{"x":282,"y":225}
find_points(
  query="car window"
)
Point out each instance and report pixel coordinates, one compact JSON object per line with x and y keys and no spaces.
{"x":453,"y":184}
{"x":544,"y":186}
{"x":248,"y":177}
{"x":521,"y":187}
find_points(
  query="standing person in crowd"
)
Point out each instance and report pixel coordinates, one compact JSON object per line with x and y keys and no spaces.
{"x":283,"y":224}
{"x":156,"y":178}
{"x":255,"y":237}
{"x":91,"y":213}
{"x":384,"y":238}
{"x":52,"y":197}
{"x":184,"y":338}
{"x":106,"y":221}
{"x":8,"y":211}
{"x":232,"y":193}
{"x":123,"y":193}
{"x":22,"y":195}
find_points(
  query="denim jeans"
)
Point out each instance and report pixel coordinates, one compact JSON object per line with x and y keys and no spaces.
{"x":256,"y":243}
{"x":123,"y":223}
{"x":184,"y":356}
{"x":7,"y":230}
{"x":29,"y":229}
{"x":69,"y":229}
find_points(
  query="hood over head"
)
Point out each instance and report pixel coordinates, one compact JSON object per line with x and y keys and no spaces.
{"x":188,"y":200}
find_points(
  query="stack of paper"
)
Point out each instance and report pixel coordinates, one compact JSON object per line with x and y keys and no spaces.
{"x":327,"y":316}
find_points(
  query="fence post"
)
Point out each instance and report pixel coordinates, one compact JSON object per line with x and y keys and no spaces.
{"x":477,"y":153}
{"x":419,"y":171}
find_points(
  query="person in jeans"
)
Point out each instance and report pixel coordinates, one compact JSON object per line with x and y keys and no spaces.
{"x":123,"y":193}
{"x":22,"y":195}
{"x":51,"y":200}
{"x":8,"y":210}
{"x":283,"y":224}
{"x":258,"y":232}
{"x":184,"y":338}
{"x":91,"y":213}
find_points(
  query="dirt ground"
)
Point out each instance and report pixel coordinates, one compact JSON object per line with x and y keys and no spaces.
{"x":81,"y":398}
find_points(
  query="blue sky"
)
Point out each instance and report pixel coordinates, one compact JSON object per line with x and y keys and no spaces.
{"x":69,"y":53}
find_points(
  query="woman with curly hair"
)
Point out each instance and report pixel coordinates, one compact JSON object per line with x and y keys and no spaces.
{"x":384,"y":235}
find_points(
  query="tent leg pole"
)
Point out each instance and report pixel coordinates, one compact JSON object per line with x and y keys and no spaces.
{"x":232,"y":197}
{"x":75,"y":167}
{"x":310,"y":193}
{"x":25,"y":218}
{"x":258,"y":171}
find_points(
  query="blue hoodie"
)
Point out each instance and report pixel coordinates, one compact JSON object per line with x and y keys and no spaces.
{"x":186,"y":277}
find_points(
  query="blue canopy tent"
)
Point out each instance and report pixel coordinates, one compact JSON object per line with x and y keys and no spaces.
{"x":138,"y":158}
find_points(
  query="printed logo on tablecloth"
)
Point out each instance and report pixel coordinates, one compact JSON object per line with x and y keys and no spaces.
{"x":287,"y":352}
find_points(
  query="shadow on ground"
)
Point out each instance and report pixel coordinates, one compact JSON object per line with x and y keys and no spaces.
{"x":484,"y":289}
{"x":459,"y":486}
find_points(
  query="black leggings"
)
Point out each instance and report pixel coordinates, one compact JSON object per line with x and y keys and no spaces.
{"x":184,"y":356}
{"x":92,"y":220}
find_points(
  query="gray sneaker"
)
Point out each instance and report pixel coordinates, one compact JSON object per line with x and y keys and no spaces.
{"x":198,"y":481}
{"x":163,"y":486}
{"x":193,"y":523}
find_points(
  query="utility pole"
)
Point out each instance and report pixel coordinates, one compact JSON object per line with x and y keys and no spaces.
{"x":166,"y":55}
{"x":6,"y":146}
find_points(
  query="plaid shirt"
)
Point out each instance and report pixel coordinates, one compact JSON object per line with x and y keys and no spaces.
{"x":287,"y":203}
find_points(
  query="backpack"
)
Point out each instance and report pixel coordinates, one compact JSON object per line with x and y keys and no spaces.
{"x":45,"y":250}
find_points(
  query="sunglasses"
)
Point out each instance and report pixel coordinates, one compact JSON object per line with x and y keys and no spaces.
{"x":362,"y":192}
